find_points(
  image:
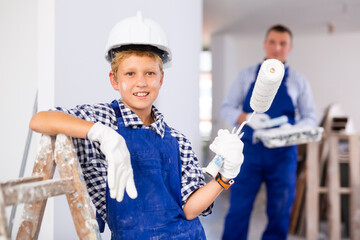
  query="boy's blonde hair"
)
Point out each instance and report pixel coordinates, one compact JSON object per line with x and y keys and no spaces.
{"x":121,"y":56}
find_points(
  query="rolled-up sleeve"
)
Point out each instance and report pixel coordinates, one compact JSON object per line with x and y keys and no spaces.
{"x":92,"y":160}
{"x":306,"y":105}
{"x":300,"y":92}
{"x":231,"y":107}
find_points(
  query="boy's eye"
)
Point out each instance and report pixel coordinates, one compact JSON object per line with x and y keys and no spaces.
{"x":130,"y":74}
{"x":150,"y":73}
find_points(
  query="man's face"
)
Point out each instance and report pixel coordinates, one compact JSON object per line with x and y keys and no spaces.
{"x":139,"y":80}
{"x":277,"y":45}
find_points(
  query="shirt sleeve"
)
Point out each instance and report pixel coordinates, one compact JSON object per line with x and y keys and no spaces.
{"x":231,"y":107}
{"x":87,"y":150}
{"x":93,"y":113}
{"x":306,"y":105}
{"x":91,"y":159}
{"x":192,"y":177}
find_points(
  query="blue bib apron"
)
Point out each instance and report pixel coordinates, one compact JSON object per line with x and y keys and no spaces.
{"x":276,"y":167}
{"x":157,"y":212}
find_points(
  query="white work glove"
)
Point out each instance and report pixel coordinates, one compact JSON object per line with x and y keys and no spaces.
{"x":230,"y":147}
{"x":120,"y":173}
{"x":258,"y":121}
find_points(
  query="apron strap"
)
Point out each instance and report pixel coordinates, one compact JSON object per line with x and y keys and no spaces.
{"x":115,"y":105}
{"x":100,"y":222}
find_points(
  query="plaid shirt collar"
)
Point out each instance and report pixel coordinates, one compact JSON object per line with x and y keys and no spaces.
{"x":132,"y":120}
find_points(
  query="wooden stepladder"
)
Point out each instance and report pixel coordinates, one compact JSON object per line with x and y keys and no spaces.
{"x":34,"y":191}
{"x":333,"y":188}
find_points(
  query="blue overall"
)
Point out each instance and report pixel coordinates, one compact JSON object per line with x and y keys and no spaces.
{"x":156,"y":213}
{"x":276,"y":167}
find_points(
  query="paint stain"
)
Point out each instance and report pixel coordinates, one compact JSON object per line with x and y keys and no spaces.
{"x":123,"y":85}
{"x":154,"y":83}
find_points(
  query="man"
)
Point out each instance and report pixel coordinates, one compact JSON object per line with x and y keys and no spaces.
{"x":276,"y":167}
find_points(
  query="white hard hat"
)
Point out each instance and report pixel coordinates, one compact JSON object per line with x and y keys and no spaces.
{"x":138,"y":33}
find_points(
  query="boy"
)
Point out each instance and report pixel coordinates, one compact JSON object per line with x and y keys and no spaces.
{"x":127,"y":146}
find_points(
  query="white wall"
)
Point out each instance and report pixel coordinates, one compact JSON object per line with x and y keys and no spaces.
{"x":18,"y":28}
{"x":328,"y":61}
{"x":331,"y":63}
{"x":22,"y":31}
{"x":18,"y":74}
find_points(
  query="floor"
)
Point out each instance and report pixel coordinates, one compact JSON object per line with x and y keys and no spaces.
{"x":213,"y":224}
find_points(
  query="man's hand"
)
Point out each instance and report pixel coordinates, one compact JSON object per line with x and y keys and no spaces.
{"x":230,"y":147}
{"x":120,"y":173}
{"x":259,"y":121}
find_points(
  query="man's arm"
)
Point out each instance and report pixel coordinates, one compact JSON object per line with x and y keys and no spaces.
{"x":242,"y":117}
{"x":53,"y":122}
{"x":231,"y":108}
{"x":306,"y":105}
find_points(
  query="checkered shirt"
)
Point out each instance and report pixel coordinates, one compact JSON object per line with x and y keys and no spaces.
{"x":92,"y":160}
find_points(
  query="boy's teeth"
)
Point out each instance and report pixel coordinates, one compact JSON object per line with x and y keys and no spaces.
{"x":140,"y":94}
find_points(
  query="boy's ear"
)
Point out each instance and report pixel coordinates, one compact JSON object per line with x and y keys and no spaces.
{"x":113,"y":81}
{"x":162,"y":78}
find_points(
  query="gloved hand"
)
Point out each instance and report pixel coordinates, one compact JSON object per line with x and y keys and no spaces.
{"x":230,"y":147}
{"x":120,"y":173}
{"x":258,"y":121}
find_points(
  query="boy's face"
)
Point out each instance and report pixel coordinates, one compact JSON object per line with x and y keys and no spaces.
{"x":277,"y":45}
{"x":139,"y":80}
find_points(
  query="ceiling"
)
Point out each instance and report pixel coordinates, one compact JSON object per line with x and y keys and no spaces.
{"x":255,"y":16}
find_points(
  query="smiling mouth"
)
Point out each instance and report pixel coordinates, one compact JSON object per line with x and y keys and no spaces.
{"x":141,"y":94}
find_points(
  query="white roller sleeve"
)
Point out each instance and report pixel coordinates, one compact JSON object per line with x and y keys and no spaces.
{"x":267,"y":84}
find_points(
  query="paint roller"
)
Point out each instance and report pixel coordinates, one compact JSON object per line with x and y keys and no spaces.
{"x":266,"y":86}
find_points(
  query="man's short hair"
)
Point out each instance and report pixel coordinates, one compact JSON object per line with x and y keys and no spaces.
{"x":279,"y":28}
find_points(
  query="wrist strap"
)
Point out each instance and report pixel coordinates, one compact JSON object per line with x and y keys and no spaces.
{"x":224,"y":185}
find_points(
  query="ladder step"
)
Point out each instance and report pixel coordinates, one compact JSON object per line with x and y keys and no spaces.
{"x":14,"y":182}
{"x":344,"y":158}
{"x":342,"y":190}
{"x":36,"y":191}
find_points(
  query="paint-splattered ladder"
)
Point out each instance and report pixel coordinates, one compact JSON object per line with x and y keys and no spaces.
{"x":34,"y":191}
{"x":333,"y":188}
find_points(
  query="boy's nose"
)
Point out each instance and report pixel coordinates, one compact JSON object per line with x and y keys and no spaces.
{"x":141,"y":81}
